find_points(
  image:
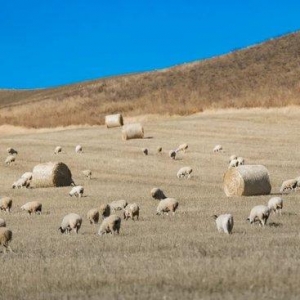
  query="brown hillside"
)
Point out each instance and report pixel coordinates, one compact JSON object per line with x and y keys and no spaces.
{"x":267,"y":75}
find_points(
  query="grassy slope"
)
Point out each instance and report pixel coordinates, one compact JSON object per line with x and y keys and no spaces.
{"x":181,"y":257}
{"x":266,"y":75}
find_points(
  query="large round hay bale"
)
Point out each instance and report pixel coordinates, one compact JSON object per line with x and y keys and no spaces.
{"x":132,"y":131}
{"x":114,"y":120}
{"x":51,"y":174}
{"x":247,"y":180}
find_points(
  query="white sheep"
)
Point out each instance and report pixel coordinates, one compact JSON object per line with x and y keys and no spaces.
{"x":224,"y":223}
{"x":32,"y":207}
{"x":259,"y":213}
{"x":167,"y":205}
{"x":232,"y":157}
{"x":132,"y":210}
{"x":288,"y":185}
{"x":9,"y":159}
{"x":275,"y":204}
{"x":182,"y":147}
{"x":218,"y":148}
{"x":27,"y":175}
{"x":77,"y":191}
{"x":70,"y":222}
{"x":145,"y":151}
{"x":240,"y":160}
{"x":78,"y":149}
{"x":172,"y":154}
{"x":233,"y":164}
{"x":57,"y":149}
{"x":184,"y":172}
{"x":11,"y":151}
{"x":157,"y":194}
{"x":5,"y":238}
{"x":20,"y":183}
{"x":93,"y":216}
{"x":6,"y":204}
{"x":111,"y":224}
{"x":104,"y":210}
{"x":87,"y":173}
{"x":2,"y":223}
{"x":118,"y":205}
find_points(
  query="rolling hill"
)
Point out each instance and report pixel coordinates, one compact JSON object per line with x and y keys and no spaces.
{"x":265,"y":75}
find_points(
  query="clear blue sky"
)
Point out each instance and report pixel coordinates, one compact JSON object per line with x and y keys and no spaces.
{"x":55,"y":42}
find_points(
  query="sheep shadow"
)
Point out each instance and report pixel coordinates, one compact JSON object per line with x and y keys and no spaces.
{"x":289,"y":213}
{"x":148,"y":138}
{"x":278,"y":194}
{"x":274,"y":224}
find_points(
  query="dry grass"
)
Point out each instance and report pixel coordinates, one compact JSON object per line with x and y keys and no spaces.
{"x":181,"y":257}
{"x":266,"y":75}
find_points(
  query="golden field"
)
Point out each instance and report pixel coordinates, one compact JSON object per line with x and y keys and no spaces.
{"x":157,"y":257}
{"x":264,"y":75}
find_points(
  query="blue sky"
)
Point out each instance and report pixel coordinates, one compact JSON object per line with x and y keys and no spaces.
{"x":57,"y":42}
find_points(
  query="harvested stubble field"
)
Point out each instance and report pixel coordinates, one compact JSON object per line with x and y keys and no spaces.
{"x":157,"y":257}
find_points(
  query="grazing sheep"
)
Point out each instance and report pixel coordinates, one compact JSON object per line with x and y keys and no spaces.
{"x":11,"y":151}
{"x":57,"y":150}
{"x":87,"y":173}
{"x":131,"y":211}
{"x":32,"y":207}
{"x":9,"y":159}
{"x":240,"y":161}
{"x":104,"y":210}
{"x":275,"y":204}
{"x":6,"y":203}
{"x":184,"y":172}
{"x":259,"y":213}
{"x":167,"y":205}
{"x":70,"y":222}
{"x":182,"y":147}
{"x":118,"y":205}
{"x":2,"y":223}
{"x":27,"y":175}
{"x":233,"y":164}
{"x":288,"y":185}
{"x":218,"y":148}
{"x":159,"y":149}
{"x":158,"y":194}
{"x":110,"y":224}
{"x":93,"y":216}
{"x":172,"y":154}
{"x":20,"y":183}
{"x":5,"y":238}
{"x":145,"y":151}
{"x":77,"y":191}
{"x":224,"y":223}
{"x":232,"y":157}
{"x":78,"y":149}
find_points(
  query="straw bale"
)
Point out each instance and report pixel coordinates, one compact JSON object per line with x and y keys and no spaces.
{"x":115,"y":120}
{"x":132,"y":131}
{"x":51,"y":174}
{"x":247,"y":180}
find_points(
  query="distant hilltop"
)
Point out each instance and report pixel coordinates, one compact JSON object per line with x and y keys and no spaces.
{"x":264,"y":75}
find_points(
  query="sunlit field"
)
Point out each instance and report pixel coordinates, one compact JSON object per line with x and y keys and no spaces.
{"x":157,"y":257}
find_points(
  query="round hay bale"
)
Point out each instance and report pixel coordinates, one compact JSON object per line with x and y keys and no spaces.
{"x":51,"y":174}
{"x":114,"y":120}
{"x":132,"y":131}
{"x":247,"y":180}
